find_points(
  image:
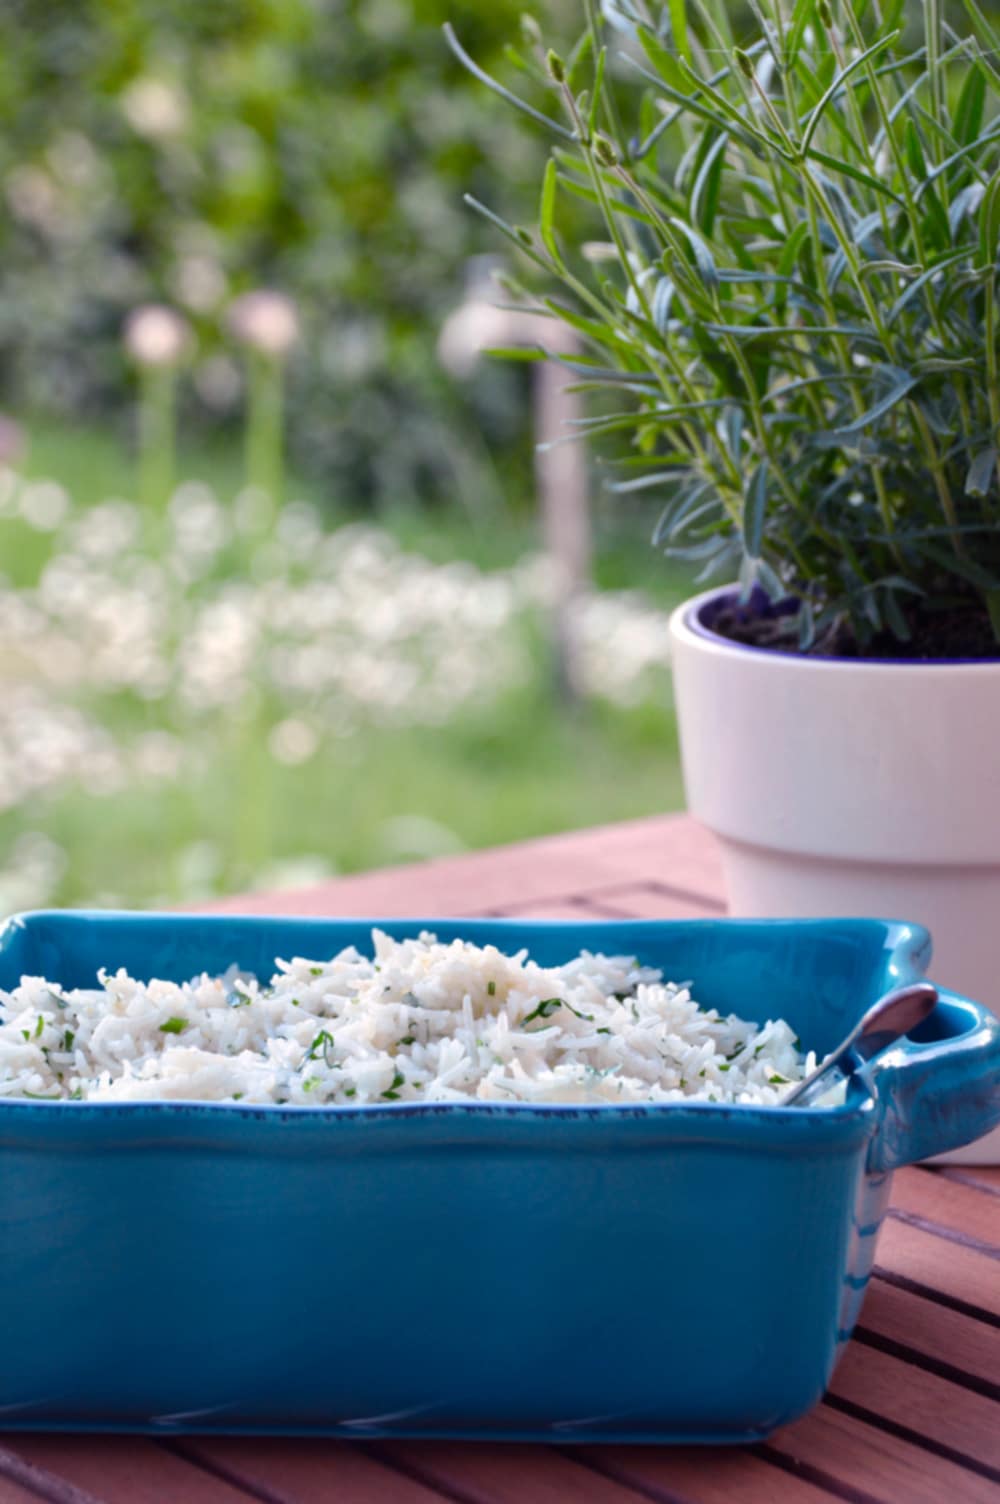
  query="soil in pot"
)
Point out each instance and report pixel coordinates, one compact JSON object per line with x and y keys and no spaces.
{"x":953,"y":628}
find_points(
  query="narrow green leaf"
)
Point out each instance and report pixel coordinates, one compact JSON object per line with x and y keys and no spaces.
{"x":965,"y":202}
{"x":903,"y":382}
{"x":679,"y":27}
{"x":960,"y":565}
{"x":754,"y":507}
{"x":665,"y":63}
{"x":546,"y":210}
{"x":498,"y":88}
{"x":703,"y":258}
{"x":705,"y":192}
{"x":772,"y":331}
{"x":989,"y":222}
{"x":515,"y":352}
{"x":892,"y":13}
{"x":788,"y":261}
{"x":691,"y":103}
{"x":897,"y":623}
{"x":985,"y":140}
{"x":595,"y":106}
{"x":807,"y":625}
{"x":512,"y":232}
{"x":992,"y":598}
{"x":936,"y":215}
{"x":982,"y":472}
{"x":841,"y":77}
{"x":802,"y":14}
{"x":967,"y":121}
{"x":927,"y":275}
{"x":578,"y":57}
{"x":857,"y":174}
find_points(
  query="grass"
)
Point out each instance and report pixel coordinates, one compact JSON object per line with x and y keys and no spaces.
{"x":504,"y":771}
{"x":518,"y":772}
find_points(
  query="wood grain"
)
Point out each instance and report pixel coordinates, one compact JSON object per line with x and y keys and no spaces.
{"x":123,"y":1470}
{"x":952,"y":1208}
{"x":874,"y":1464}
{"x":582,"y":863}
{"x":930,"y":1331}
{"x":307,"y":1472}
{"x":932,"y":1407}
{"x":702,"y":1475}
{"x":938,"y":1266}
{"x":485,"y":1474}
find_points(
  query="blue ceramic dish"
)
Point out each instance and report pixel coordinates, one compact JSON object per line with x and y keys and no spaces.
{"x":671,"y":1272}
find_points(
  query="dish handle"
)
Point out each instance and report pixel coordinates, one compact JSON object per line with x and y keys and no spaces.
{"x":938,"y":1090}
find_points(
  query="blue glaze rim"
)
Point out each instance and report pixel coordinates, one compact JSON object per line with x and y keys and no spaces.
{"x":700,"y":614}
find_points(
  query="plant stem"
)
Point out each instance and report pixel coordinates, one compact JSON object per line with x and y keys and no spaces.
{"x":265,"y":426}
{"x":157,"y":437}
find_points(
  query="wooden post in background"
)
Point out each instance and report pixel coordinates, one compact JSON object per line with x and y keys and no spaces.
{"x":560,"y":461}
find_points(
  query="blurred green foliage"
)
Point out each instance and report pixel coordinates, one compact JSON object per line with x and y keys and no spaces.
{"x":184,"y":152}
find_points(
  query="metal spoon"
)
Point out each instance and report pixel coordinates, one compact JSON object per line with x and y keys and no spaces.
{"x":886,"y":1021}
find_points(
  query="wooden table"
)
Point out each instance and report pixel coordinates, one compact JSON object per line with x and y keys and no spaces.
{"x":913,"y":1412}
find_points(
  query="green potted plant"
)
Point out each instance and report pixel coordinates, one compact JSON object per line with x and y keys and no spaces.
{"x":791,"y":320}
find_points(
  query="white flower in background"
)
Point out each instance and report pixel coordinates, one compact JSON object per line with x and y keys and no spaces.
{"x":295,"y":872}
{"x":156,"y":335}
{"x":105,"y":531}
{"x":292,"y":742}
{"x":73,"y":158}
{"x":327,"y":633}
{"x":154,"y":108}
{"x":158,"y":756}
{"x":198,"y":522}
{"x":623,"y":646}
{"x":416,"y":838}
{"x":43,"y":504}
{"x":32,"y":873}
{"x":266,"y":321}
{"x":33,"y":198}
{"x":45,"y":744}
{"x":198,"y":282}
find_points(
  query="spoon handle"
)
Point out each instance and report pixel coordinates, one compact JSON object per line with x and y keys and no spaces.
{"x":894,"y":1015}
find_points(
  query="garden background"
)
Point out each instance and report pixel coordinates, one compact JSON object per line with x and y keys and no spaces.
{"x":266,"y":651}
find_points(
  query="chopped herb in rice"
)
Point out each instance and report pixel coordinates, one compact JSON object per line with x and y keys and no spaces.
{"x":493,"y":1027}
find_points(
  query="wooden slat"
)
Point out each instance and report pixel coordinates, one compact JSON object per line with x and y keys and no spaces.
{"x":633,"y":902}
{"x":653,"y":900}
{"x":936,"y":1409}
{"x":557,"y":867}
{"x":868,"y":1463}
{"x":932,"y":1331}
{"x":959,"y":1274}
{"x":15,"y":1477}
{"x":554,"y":908}
{"x":984,"y":1178}
{"x":12,"y":1493}
{"x":307,"y":1472}
{"x":966,"y":1214}
{"x":123,"y":1470}
{"x":478,"y":1473}
{"x":697,"y":1475}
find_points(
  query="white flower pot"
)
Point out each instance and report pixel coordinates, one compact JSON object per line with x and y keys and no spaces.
{"x":850,"y":787}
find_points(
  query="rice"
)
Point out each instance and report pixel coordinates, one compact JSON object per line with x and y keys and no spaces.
{"x":417,"y":1021}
